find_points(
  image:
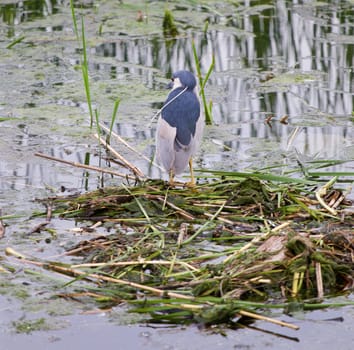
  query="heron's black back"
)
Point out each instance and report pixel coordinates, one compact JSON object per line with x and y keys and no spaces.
{"x":182,"y":113}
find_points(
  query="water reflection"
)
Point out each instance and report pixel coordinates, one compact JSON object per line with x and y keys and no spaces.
{"x":275,"y":59}
{"x":308,"y":49}
{"x":14,"y":13}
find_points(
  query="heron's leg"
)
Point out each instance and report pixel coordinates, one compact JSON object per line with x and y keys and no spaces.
{"x":171,"y":176}
{"x":192,"y":182}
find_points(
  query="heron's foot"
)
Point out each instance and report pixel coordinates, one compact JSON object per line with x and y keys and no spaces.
{"x":171,"y":181}
{"x":190,"y":184}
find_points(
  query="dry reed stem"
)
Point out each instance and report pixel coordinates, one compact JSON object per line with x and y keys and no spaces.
{"x":84,"y":166}
{"x":220,"y":218}
{"x":77,"y":273}
{"x":181,"y":212}
{"x":319,"y":280}
{"x":137,"y":262}
{"x":322,"y":191}
{"x":126,"y":144}
{"x":268,"y":319}
{"x":156,"y":291}
{"x":129,"y":165}
{"x":256,"y":240}
{"x":298,"y":279}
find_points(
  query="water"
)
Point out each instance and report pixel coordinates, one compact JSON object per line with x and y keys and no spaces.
{"x":272,"y":59}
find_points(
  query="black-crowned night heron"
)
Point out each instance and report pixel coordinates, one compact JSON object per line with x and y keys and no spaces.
{"x":180,"y":126}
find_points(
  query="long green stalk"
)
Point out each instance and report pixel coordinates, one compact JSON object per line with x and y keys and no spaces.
{"x":202,"y":83}
{"x":85,"y":72}
{"x":15,"y":42}
{"x":84,"y":61}
{"x":74,"y":20}
{"x":113,"y":119}
{"x":205,"y":226}
{"x":260,"y":176}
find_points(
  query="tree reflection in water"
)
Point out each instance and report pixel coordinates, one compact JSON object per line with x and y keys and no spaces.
{"x":271,"y":60}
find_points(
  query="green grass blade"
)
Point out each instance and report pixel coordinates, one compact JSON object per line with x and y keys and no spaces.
{"x":331,"y":173}
{"x":85,"y":72}
{"x":15,"y":42}
{"x":99,"y":133}
{"x":260,"y":176}
{"x":84,"y":62}
{"x":205,"y":226}
{"x":202,"y":83}
{"x":74,"y":20}
{"x":197,"y":63}
{"x":98,"y":128}
{"x":141,"y":207}
{"x":113,"y":119}
{"x":210,"y":70}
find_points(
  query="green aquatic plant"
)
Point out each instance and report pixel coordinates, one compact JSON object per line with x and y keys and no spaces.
{"x":30,"y":326}
{"x":168,"y":25}
{"x":113,"y":119}
{"x":202,"y":83}
{"x":83,"y":61}
{"x":15,"y":42}
{"x":94,"y":113}
{"x":213,"y":253}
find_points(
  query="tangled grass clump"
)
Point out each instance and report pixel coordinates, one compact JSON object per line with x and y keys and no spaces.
{"x":210,"y":252}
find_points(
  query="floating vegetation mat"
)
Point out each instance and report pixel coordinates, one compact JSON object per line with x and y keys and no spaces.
{"x":216,"y":253}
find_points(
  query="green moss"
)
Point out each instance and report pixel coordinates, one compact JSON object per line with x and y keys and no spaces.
{"x":30,"y":326}
{"x":168,"y":25}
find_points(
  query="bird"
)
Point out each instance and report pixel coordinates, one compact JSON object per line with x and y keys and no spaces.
{"x":180,"y":126}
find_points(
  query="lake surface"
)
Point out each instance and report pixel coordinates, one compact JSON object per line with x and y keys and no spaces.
{"x":273,"y":59}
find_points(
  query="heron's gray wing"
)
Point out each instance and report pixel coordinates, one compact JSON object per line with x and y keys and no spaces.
{"x":165,"y":140}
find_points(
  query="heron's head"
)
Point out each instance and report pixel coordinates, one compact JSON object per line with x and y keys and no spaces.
{"x":183,"y":79}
